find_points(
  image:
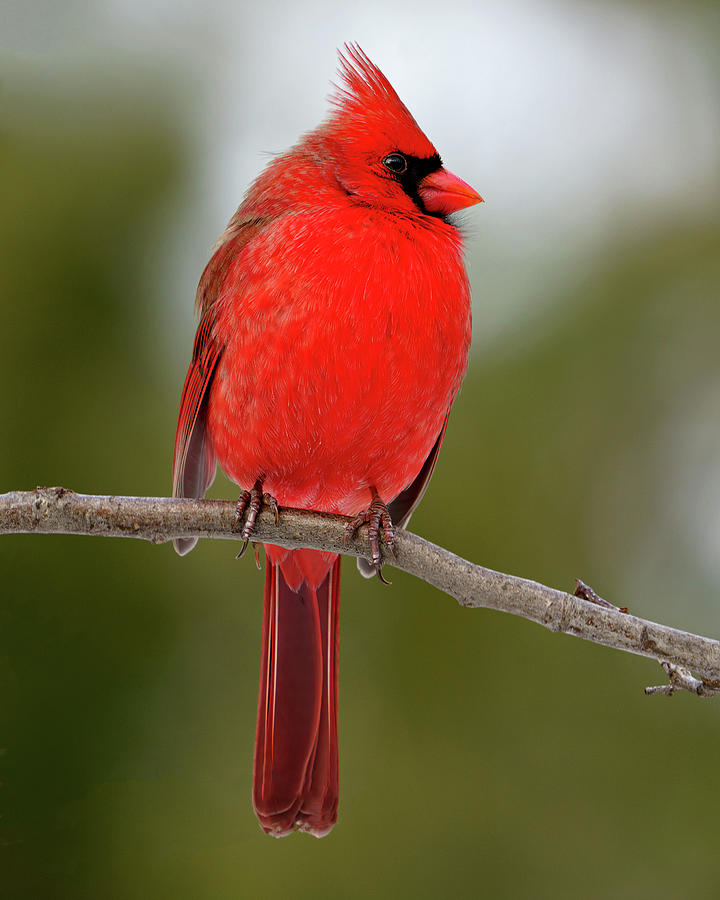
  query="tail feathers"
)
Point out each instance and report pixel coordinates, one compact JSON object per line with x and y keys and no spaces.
{"x":296,"y":749}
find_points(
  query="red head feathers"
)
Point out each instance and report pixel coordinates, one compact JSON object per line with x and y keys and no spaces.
{"x":368,"y":105}
{"x":371,"y":146}
{"x":380,"y":150}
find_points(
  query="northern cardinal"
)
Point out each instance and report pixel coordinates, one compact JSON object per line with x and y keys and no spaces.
{"x":334,"y":335}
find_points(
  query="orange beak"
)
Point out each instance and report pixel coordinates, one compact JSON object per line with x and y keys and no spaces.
{"x":444,"y":193}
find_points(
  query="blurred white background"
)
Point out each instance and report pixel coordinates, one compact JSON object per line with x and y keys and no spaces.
{"x":573,"y":120}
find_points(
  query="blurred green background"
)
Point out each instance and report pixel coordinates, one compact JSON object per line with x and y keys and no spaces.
{"x":480,"y":755}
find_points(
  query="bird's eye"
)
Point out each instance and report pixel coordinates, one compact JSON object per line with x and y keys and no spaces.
{"x":396,"y":162}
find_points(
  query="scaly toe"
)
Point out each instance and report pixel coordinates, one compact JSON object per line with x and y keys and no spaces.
{"x":353,"y":525}
{"x":242,"y":503}
{"x":250,"y":504}
{"x":378,"y":520}
{"x":272,"y":505}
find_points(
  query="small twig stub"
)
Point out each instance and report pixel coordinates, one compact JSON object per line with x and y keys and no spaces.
{"x":587,"y":593}
{"x":682,"y":679}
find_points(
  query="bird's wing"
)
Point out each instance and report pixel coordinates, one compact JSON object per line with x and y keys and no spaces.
{"x":194,"y":463}
{"x":402,"y":507}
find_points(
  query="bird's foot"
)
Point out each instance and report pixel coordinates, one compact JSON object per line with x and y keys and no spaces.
{"x":377,"y":518}
{"x":248,"y":506}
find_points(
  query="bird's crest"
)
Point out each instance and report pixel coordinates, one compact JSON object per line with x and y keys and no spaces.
{"x":364,"y":84}
{"x":366,"y":99}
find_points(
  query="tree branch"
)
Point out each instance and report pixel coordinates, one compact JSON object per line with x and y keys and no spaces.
{"x":56,"y":510}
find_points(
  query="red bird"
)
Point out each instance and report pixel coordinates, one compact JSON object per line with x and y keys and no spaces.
{"x":334,"y":336}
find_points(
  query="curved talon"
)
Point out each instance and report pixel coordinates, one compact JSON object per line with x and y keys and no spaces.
{"x":377,"y":518}
{"x":382,"y":578}
{"x":242,"y":549}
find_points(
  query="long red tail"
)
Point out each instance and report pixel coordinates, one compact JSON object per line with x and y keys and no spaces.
{"x":295,"y":782}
